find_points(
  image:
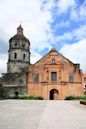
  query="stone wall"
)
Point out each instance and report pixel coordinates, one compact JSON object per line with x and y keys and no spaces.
{"x":11,"y":89}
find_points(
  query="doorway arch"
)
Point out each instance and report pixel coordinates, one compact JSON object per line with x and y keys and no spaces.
{"x":54,"y":94}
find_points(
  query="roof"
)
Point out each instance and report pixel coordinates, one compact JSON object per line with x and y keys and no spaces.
{"x":19,"y":35}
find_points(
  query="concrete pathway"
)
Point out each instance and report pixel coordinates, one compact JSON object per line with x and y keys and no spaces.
{"x":63,"y":115}
{"x":20,"y":114}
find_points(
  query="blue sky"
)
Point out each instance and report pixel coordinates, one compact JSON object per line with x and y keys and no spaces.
{"x":47,"y":23}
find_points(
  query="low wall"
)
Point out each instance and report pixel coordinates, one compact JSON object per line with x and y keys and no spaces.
{"x":83,"y":102}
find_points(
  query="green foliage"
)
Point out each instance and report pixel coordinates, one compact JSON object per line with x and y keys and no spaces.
{"x":83,"y":97}
{"x":39,"y":98}
{"x":70,"y":97}
{"x":1,"y":91}
{"x":25,"y":97}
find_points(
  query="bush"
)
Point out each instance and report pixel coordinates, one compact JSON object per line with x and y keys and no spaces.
{"x":25,"y":97}
{"x":70,"y":97}
{"x":39,"y":98}
{"x":1,"y":91}
{"x":83,"y":97}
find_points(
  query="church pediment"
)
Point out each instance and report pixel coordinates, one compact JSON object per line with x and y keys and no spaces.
{"x":52,"y":58}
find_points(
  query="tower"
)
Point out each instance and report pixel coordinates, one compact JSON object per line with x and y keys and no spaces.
{"x":18,"y":53}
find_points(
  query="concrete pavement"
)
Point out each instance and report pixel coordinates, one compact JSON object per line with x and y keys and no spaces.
{"x":30,"y":114}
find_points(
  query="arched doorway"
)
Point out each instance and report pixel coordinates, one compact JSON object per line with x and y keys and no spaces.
{"x":54,"y":94}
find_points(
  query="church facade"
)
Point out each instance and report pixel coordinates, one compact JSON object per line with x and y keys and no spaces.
{"x":54,"y":77}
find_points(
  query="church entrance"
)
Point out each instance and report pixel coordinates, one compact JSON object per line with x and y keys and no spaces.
{"x":54,"y":94}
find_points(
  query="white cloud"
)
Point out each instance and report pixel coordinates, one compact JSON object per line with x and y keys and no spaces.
{"x":80,"y":32}
{"x":76,"y":53}
{"x":77,"y":34}
{"x":35,"y":57}
{"x":74,"y":15}
{"x":62,"y":24}
{"x":35,"y":21}
{"x":48,"y":4}
{"x":82,"y":12}
{"x":3,"y":63}
{"x":64,"y":5}
{"x":78,"y":13}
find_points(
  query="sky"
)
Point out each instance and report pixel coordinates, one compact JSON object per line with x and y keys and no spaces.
{"x":47,"y":23}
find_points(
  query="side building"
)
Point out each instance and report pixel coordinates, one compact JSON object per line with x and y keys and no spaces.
{"x":54,"y":77}
{"x":84,"y":82}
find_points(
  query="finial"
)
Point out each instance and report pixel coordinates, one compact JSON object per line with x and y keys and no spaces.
{"x":20,"y":30}
{"x":53,"y":47}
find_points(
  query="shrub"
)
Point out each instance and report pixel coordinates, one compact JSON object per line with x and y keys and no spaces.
{"x":1,"y":91}
{"x":39,"y":98}
{"x":25,"y":97}
{"x":70,"y":97}
{"x":83,"y":97}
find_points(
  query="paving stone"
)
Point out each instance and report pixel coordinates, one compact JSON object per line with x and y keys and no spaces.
{"x":30,"y":114}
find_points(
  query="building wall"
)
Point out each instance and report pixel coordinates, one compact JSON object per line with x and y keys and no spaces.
{"x":63,"y":67}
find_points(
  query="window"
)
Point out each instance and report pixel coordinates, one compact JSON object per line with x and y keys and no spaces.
{"x":23,"y":56}
{"x":23,"y":45}
{"x":36,"y":78}
{"x":71,"y":78}
{"x":47,"y":76}
{"x":84,"y":79}
{"x":53,"y":76}
{"x":15,"y":55}
{"x":15,"y":44}
{"x":9,"y":56}
{"x":10,"y":45}
{"x":85,"y":87}
{"x":53,"y":61}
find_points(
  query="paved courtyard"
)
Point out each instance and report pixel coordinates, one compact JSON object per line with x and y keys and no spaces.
{"x":29,"y":114}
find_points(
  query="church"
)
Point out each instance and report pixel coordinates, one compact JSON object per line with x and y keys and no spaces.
{"x":52,"y":77}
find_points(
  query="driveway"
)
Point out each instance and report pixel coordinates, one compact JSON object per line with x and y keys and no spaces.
{"x":30,"y":114}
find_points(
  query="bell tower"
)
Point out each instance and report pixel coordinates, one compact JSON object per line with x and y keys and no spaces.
{"x":18,"y":53}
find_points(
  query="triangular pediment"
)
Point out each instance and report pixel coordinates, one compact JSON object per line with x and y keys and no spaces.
{"x":52,"y":58}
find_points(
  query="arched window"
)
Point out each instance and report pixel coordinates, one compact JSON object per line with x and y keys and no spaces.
{"x":15,"y":55}
{"x":15,"y":44}
{"x":23,"y":56}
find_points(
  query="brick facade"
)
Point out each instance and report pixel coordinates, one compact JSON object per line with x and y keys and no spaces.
{"x":54,"y":77}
